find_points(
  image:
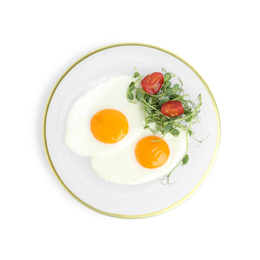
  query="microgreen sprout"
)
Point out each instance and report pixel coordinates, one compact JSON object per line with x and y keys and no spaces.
{"x":156,"y":121}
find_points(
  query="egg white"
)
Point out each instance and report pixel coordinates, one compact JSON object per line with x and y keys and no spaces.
{"x":107,"y":95}
{"x":123,"y":168}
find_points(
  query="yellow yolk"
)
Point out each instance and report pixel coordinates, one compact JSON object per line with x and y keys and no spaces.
{"x":152,"y":154}
{"x":109,"y":126}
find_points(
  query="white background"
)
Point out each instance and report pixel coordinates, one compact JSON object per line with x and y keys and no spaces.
{"x":40,"y":40}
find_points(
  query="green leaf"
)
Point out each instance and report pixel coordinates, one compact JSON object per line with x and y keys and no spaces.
{"x":173,"y":119}
{"x":136,"y":74}
{"x":185,"y":159}
{"x":175,"y":132}
{"x":187,"y":111}
{"x":149,"y":110}
{"x":188,"y":119}
{"x":162,"y":101}
{"x":167,"y":76}
{"x":175,"y":88}
{"x":168,"y":84}
{"x":147,"y":97}
{"x":154,"y":100}
{"x":132,"y":86}
{"x":139,"y":95}
{"x":130,"y":95}
{"x":173,"y":96}
{"x":168,"y":92}
{"x":167,"y":129}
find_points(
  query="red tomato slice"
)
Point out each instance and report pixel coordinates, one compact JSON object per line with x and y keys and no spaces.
{"x":172,"y":108}
{"x":152,"y":83}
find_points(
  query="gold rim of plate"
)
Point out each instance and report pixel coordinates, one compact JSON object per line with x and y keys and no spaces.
{"x":143,"y":215}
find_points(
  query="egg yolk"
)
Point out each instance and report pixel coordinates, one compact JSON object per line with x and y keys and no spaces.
{"x":151,"y":153}
{"x":109,"y":126}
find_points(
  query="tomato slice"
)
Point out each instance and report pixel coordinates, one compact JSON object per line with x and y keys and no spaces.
{"x":172,"y":108}
{"x":152,"y":83}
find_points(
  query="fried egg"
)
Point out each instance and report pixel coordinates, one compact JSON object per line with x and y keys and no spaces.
{"x":102,"y":121}
{"x":147,"y":159}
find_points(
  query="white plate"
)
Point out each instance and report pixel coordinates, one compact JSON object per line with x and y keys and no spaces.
{"x":75,"y":172}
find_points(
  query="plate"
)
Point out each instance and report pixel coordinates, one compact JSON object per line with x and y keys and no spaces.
{"x":75,"y":173}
